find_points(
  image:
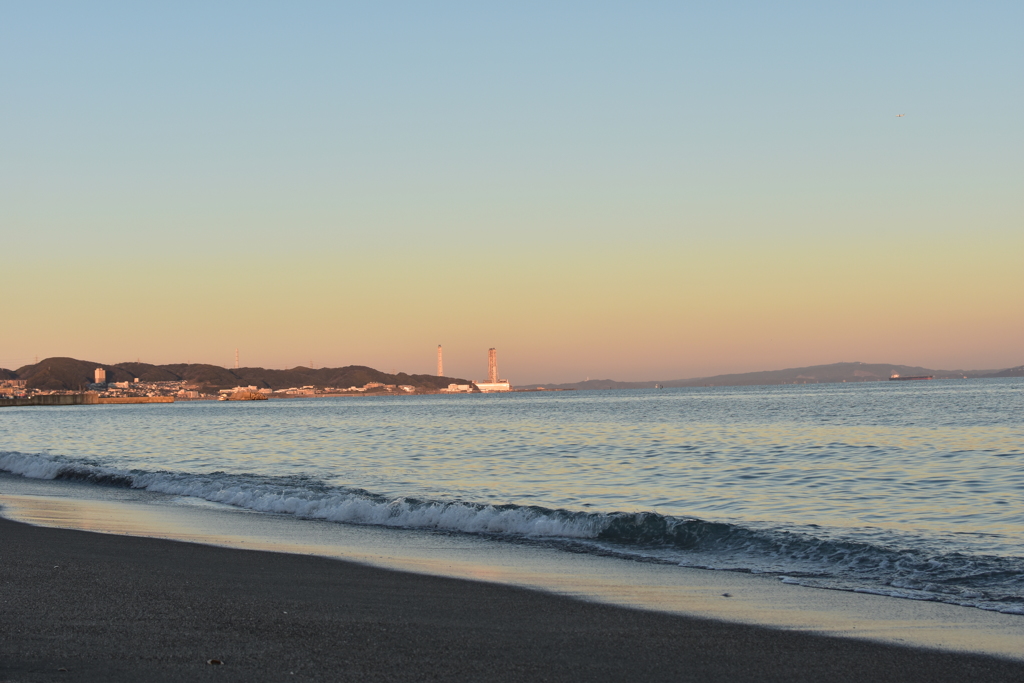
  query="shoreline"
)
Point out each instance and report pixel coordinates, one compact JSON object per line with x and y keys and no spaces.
{"x":112,"y":607}
{"x":725,"y":596}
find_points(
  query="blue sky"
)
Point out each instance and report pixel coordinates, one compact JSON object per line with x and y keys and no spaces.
{"x":191,"y":139}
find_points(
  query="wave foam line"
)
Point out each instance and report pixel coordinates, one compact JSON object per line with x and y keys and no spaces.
{"x":982,"y":581}
{"x":315,"y":501}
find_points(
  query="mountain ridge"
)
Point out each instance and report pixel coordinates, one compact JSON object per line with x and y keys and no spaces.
{"x":811,"y":374}
{"x":72,"y":374}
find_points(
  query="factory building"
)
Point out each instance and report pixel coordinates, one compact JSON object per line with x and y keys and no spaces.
{"x":493,"y":383}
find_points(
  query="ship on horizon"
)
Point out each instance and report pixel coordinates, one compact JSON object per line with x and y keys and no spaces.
{"x":895,"y":377}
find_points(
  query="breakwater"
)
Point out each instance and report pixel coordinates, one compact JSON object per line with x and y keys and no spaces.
{"x":135,"y":399}
{"x":89,"y":398}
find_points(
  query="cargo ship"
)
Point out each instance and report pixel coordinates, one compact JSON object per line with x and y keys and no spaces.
{"x":897,"y":378}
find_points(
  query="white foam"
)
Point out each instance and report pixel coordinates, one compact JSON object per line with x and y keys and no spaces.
{"x":31,"y":466}
{"x":334,"y":507}
{"x":772,"y":552}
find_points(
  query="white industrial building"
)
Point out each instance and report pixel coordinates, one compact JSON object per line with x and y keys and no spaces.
{"x":493,"y":384}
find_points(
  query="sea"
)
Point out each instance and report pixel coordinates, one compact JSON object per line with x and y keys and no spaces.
{"x":906,"y":489}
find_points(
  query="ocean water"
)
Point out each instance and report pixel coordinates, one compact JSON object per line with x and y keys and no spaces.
{"x":909,"y":489}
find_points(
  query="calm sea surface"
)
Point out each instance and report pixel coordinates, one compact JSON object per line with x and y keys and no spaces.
{"x":914,"y":489}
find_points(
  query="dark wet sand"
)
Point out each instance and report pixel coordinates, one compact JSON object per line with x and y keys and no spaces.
{"x":118,"y":608}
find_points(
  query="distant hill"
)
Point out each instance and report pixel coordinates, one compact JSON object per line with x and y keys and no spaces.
{"x":71,"y":374}
{"x":821,"y":374}
{"x":1009,"y":372}
{"x":814,"y":374}
{"x":67,"y":374}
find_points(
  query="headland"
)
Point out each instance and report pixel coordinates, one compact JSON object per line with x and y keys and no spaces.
{"x":59,"y":379}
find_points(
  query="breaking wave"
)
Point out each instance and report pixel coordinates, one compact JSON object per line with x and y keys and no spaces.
{"x":984,"y":581}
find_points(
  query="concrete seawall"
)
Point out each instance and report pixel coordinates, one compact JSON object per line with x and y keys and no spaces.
{"x":135,"y":399}
{"x":87,"y":399}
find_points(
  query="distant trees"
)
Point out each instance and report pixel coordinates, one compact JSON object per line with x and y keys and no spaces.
{"x":71,"y":374}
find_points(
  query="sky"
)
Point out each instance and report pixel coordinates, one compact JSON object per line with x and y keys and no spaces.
{"x":634,"y":191}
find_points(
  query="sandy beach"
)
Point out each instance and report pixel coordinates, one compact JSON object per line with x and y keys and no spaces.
{"x":119,"y":608}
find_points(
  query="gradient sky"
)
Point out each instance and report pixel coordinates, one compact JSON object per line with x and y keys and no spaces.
{"x":596,"y":189}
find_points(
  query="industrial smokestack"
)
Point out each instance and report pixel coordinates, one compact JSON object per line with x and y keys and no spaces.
{"x":440,"y":364}
{"x":492,"y":365}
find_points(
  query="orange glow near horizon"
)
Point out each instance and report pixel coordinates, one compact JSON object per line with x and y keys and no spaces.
{"x":626,"y":315}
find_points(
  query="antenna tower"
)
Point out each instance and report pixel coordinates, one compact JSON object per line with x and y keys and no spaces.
{"x":440,"y":363}
{"x":236,"y":359}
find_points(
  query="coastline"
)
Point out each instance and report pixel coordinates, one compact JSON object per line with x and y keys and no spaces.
{"x":110,"y":607}
{"x":726,"y":596}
